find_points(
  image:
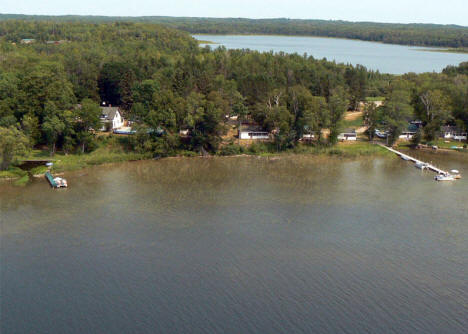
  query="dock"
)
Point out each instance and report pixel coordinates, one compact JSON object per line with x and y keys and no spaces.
{"x":410,"y":158}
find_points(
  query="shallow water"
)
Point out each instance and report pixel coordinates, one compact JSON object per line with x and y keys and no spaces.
{"x":238,"y":245}
{"x":387,"y":58}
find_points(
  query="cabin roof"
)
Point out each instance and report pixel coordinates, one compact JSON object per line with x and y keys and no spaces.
{"x":109,"y":112}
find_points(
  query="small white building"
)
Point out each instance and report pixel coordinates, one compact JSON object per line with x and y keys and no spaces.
{"x":27,"y":41}
{"x":407,"y":135}
{"x":253,"y":132}
{"x":452,"y":132}
{"x":111,"y":118}
{"x":348,"y":135}
{"x":185,"y":133}
{"x":308,"y":136}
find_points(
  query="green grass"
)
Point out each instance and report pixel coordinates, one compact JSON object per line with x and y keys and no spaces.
{"x":355,"y":123}
{"x":100,"y":156}
{"x":12,"y":173}
{"x":38,"y":170}
{"x":356,"y":149}
{"x":110,"y":151}
{"x":206,"y":42}
{"x":22,"y":181}
{"x":449,"y":50}
{"x":374,"y":98}
{"x":346,"y":150}
{"x":442,"y":144}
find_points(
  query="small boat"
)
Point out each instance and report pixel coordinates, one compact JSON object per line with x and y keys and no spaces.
{"x":405,"y":157}
{"x":444,"y":177}
{"x":57,"y":182}
{"x":61,"y":183}
{"x":124,"y":131}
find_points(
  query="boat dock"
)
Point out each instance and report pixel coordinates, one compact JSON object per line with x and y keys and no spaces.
{"x":409,"y":158}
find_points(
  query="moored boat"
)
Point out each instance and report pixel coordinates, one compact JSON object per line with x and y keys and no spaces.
{"x":444,"y":177}
{"x":56,"y":182}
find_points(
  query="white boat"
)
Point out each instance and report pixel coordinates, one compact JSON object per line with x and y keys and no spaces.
{"x":61,"y":183}
{"x":444,"y":177}
{"x":405,"y":157}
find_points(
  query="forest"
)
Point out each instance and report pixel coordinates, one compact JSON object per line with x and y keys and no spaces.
{"x":432,"y":35}
{"x":164,"y":82}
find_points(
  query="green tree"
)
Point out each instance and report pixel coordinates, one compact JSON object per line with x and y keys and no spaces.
{"x":372,"y":118}
{"x":13,"y":143}
{"x":436,"y":112}
{"x":53,"y":127}
{"x":337,"y":105}
{"x":395,"y":113}
{"x":87,"y":119}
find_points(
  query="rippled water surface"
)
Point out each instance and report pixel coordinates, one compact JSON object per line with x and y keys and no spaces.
{"x":238,"y":245}
{"x":387,"y":58}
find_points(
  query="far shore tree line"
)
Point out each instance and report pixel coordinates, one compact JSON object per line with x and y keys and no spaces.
{"x":432,"y":35}
{"x":165,"y":83}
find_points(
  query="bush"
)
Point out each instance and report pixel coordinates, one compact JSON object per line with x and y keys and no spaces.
{"x":231,"y":149}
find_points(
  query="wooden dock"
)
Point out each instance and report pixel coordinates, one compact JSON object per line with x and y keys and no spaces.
{"x":409,"y":158}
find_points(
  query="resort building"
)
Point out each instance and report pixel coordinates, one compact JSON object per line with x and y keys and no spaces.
{"x":348,"y":135}
{"x":452,"y":132}
{"x":111,"y":118}
{"x":407,"y":135}
{"x":252,"y":131}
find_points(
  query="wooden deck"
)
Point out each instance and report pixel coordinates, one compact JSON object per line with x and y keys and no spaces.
{"x":409,"y":158}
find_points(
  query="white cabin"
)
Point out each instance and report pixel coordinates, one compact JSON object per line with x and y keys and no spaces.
{"x":253,"y":132}
{"x":348,"y":135}
{"x":111,"y":118}
{"x":452,"y":132}
{"x":254,"y":135}
{"x":407,"y":135}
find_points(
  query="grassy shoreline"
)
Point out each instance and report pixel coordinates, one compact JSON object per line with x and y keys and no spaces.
{"x":447,"y":50}
{"x":63,"y":163}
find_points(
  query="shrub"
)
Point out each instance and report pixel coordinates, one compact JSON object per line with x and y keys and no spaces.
{"x":231,"y":149}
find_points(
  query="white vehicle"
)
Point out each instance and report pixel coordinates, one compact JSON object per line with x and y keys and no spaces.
{"x":380,"y":134}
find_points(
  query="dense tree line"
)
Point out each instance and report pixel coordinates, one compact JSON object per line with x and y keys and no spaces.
{"x":50,"y":94}
{"x":409,"y":34}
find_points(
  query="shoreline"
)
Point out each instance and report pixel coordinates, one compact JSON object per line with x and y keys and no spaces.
{"x":424,"y":48}
{"x":72,"y":162}
{"x":69,"y":163}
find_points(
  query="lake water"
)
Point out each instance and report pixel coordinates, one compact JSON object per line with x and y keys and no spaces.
{"x":303,"y":244}
{"x":387,"y":58}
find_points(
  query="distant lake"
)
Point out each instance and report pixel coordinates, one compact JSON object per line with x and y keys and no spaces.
{"x":387,"y":58}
